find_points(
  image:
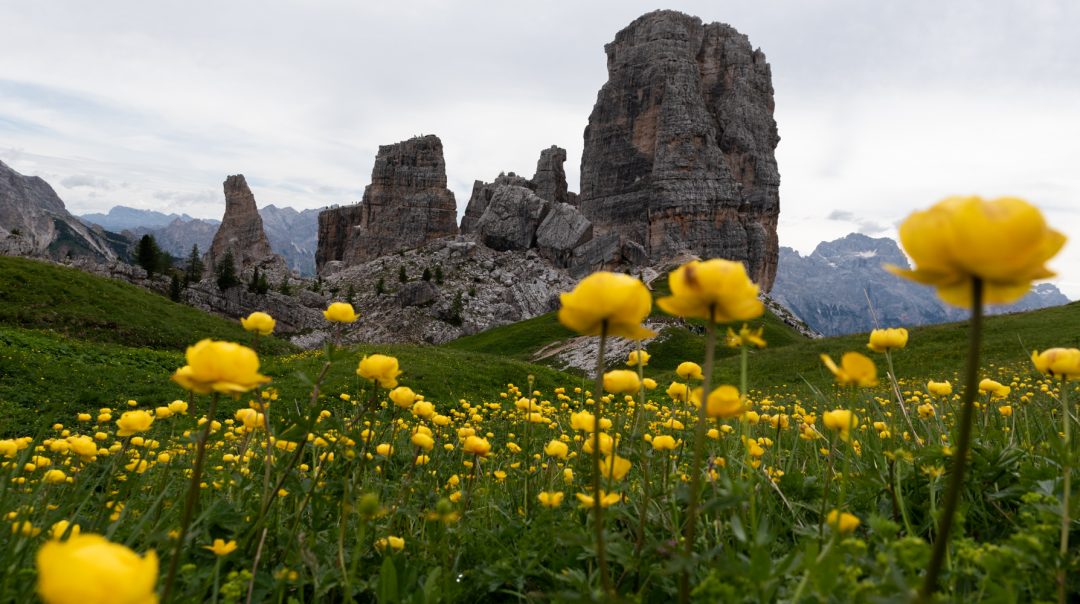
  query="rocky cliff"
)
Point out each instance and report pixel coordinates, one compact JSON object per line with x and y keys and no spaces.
{"x":842,"y":288}
{"x":679,"y":149}
{"x":34,"y":222}
{"x":241,"y":232}
{"x":406,"y":205}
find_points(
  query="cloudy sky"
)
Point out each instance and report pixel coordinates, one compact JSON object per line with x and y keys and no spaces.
{"x":883,"y":107}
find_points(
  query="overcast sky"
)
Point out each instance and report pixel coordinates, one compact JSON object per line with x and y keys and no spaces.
{"x":883,"y":107}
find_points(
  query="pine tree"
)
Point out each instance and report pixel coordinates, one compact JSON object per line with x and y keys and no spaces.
{"x":438,"y":274}
{"x":195,"y":267}
{"x":226,"y":272}
{"x":426,"y":276}
{"x":175,"y":287}
{"x":380,"y":287}
{"x":147,"y":255}
{"x":402,"y":275}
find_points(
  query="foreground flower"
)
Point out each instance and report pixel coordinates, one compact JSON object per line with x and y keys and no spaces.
{"x":622,"y":381}
{"x":221,"y":547}
{"x":340,"y":312}
{"x":88,"y":569}
{"x":1004,"y":242}
{"x":550,"y":499}
{"x":606,"y":499}
{"x":132,"y":422}
{"x":855,"y":369}
{"x":214,"y":366}
{"x":842,"y":421}
{"x":403,"y":396}
{"x":689,"y":370}
{"x":379,"y":368}
{"x":939,"y":388}
{"x":259,"y":322}
{"x":882,"y":340}
{"x":843,"y":522}
{"x":1058,"y":362}
{"x":724,"y":402}
{"x":716,"y":290}
{"x":619,"y":301}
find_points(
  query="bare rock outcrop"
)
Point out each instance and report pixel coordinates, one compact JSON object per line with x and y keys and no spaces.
{"x":679,"y":150}
{"x":406,"y":205}
{"x":550,"y":178}
{"x":34,"y":222}
{"x":241,"y":233}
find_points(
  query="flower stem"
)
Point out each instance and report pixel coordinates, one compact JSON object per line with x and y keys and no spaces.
{"x":956,"y":479}
{"x":192,"y":498}
{"x":1066,"y":420}
{"x":699,"y":452}
{"x":598,"y":509}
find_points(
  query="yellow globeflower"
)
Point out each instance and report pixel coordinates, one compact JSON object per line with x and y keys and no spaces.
{"x":615,"y":467}
{"x":379,"y":368}
{"x":423,"y":409}
{"x":477,"y":446}
{"x":1005,"y":242}
{"x":88,"y":569}
{"x":214,"y":366}
{"x":423,"y":441}
{"x":678,"y":391}
{"x":221,"y":547}
{"x":994,"y":388}
{"x":259,"y":322}
{"x":132,"y":422}
{"x":637,"y":357}
{"x":855,"y":369}
{"x":842,"y":521}
{"x":395,"y":543}
{"x":887,"y":339}
{"x":620,"y":301}
{"x":688,"y":370}
{"x":1058,"y":362}
{"x":340,"y":312}
{"x":649,"y":383}
{"x":939,"y":388}
{"x":606,"y":499}
{"x":724,"y":402}
{"x":557,"y":448}
{"x":550,"y":499}
{"x":252,"y":419}
{"x":60,"y":527}
{"x":622,"y":381}
{"x":403,"y":396}
{"x":716,"y":290}
{"x":664,"y":443}
{"x":54,"y":477}
{"x":841,"y":420}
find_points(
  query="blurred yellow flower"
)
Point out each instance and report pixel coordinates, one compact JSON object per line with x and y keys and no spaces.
{"x":1005,"y":242}
{"x":1005,"y":410}
{"x":54,"y":477}
{"x":939,"y":388}
{"x":855,"y":369}
{"x":620,"y":301}
{"x":380,"y":368}
{"x":88,"y":569}
{"x":664,"y":443}
{"x":843,"y":522}
{"x":606,"y":499}
{"x":840,"y":420}
{"x":649,"y":383}
{"x":477,"y":446}
{"x":132,"y":422}
{"x":57,"y":530}
{"x":394,"y":543}
{"x":423,"y":441}
{"x":637,"y":357}
{"x":887,"y":339}
{"x":622,"y":381}
{"x":724,"y":402}
{"x":221,"y":547}
{"x":745,"y":337}
{"x":678,"y":391}
{"x":1058,"y":362}
{"x":423,"y":409}
{"x":716,"y":290}
{"x":688,"y":370}
{"x":403,"y":396}
{"x":214,"y":366}
{"x":259,"y":322}
{"x":340,"y":312}
{"x":557,"y":448}
{"x":550,"y":499}
{"x":994,"y":388}
{"x":615,"y":467}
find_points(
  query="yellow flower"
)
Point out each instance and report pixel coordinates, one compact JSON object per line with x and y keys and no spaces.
{"x":395,"y":543}
{"x":606,"y":499}
{"x":939,"y":388}
{"x":887,"y":339}
{"x":423,"y":441}
{"x":54,"y":477}
{"x":134,"y":421}
{"x":60,"y":527}
{"x":1058,"y":362}
{"x":477,"y":446}
{"x":746,"y":336}
{"x":716,"y":290}
{"x":1005,"y":242}
{"x":84,"y":417}
{"x":638,"y":356}
{"x":557,"y":448}
{"x":843,"y":522}
{"x":855,"y":369}
{"x":423,"y":409}
{"x":550,"y":499}
{"x":841,"y":420}
{"x":1005,"y":410}
{"x":724,"y":402}
{"x":994,"y":388}
{"x":178,"y":407}
{"x":221,"y":547}
{"x":678,"y":391}
{"x":259,"y":322}
{"x":88,"y":569}
{"x":379,"y":368}
{"x":403,"y":396}
{"x":619,"y":301}
{"x":340,"y":312}
{"x":214,"y":366}
{"x":664,"y":443}
{"x":622,"y":381}
{"x":649,"y":383}
{"x":688,"y":370}
{"x":384,"y":449}
{"x":615,"y":467}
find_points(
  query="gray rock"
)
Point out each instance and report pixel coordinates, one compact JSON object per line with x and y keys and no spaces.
{"x":550,"y":178}
{"x":510,"y":219}
{"x":563,"y":229}
{"x":241,"y":233}
{"x":417,"y":293}
{"x":595,"y":254}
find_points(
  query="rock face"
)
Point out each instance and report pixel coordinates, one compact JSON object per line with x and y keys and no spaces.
{"x":679,"y":150}
{"x":241,"y":232}
{"x":841,"y":287}
{"x":34,"y":222}
{"x":550,"y":177}
{"x":406,"y":205}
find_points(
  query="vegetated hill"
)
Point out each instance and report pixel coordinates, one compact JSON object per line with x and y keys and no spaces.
{"x":78,"y":305}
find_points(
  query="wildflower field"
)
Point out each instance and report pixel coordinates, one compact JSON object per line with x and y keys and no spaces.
{"x":897,"y":466}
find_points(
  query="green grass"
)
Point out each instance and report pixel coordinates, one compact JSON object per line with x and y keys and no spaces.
{"x":519,"y":340}
{"x":74,"y":304}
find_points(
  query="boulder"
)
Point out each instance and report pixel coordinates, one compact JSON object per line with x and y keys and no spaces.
{"x":510,"y":219}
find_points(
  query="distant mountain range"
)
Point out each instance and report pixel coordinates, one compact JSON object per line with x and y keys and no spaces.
{"x":841,"y":288}
{"x":293,"y":234}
